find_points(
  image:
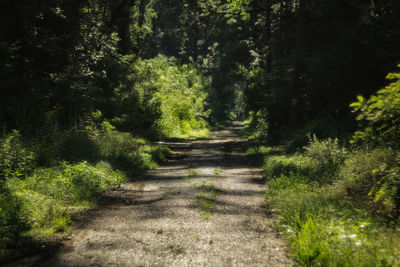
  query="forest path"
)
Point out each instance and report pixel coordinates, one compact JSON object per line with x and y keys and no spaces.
{"x":204,"y":207}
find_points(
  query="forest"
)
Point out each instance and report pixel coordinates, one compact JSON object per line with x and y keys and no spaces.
{"x":89,"y":88}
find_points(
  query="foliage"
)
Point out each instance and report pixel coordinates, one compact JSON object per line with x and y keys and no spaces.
{"x":373,"y":177}
{"x":327,"y":154}
{"x":129,"y":154}
{"x":165,"y":97}
{"x":320,"y":222}
{"x":381,"y":116}
{"x":15,"y":158}
{"x":257,"y":154}
{"x":46,"y":199}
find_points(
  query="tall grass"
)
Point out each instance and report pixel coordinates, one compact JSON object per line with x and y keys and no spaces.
{"x":325,"y":224}
{"x":39,"y":201}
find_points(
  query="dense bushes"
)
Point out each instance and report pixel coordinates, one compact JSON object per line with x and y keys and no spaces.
{"x":15,"y":158}
{"x":164,"y":98}
{"x":380,"y":116}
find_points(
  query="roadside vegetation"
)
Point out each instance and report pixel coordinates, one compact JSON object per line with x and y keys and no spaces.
{"x":48,"y":176}
{"x":337,"y":203}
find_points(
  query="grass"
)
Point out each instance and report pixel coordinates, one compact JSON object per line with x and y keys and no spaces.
{"x":192,"y":172}
{"x":37,"y":202}
{"x":176,"y":249}
{"x":172,"y":191}
{"x":194,"y":134}
{"x":322,"y":224}
{"x":196,"y":236}
{"x":218,"y":171}
{"x":206,"y":204}
{"x":256,"y":154}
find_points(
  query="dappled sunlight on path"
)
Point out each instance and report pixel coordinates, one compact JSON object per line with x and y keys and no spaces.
{"x":205,"y":206}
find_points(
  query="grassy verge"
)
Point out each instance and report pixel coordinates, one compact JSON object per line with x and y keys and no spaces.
{"x":38,"y":202}
{"x":323,"y":210}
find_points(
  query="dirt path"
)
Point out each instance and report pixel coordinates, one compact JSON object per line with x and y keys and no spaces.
{"x":205,"y":207}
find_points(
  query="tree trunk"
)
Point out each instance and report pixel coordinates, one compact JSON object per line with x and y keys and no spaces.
{"x":268,"y":35}
{"x":298,"y":68}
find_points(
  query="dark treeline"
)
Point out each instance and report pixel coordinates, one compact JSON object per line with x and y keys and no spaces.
{"x":85,"y":84}
{"x":303,"y":61}
{"x":314,"y":57}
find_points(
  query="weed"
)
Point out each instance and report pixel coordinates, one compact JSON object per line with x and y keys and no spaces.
{"x":160,"y":231}
{"x":176,"y":249}
{"x":196,"y":236}
{"x":61,"y":224}
{"x":192,"y":172}
{"x":205,"y":203}
{"x":218,"y":171}
{"x":317,"y":218}
{"x":205,"y":215}
{"x":186,"y":179}
{"x":214,"y":193}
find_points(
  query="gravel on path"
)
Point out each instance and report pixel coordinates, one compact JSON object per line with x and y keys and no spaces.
{"x":204,"y":207}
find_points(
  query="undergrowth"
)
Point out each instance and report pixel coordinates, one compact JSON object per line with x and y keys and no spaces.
{"x":332,"y":205}
{"x":39,"y":193}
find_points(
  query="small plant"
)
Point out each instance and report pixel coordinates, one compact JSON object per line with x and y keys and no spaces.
{"x":61,"y":224}
{"x":204,"y":202}
{"x":196,"y":236}
{"x":186,"y":179}
{"x":327,"y":154}
{"x":160,"y":231}
{"x":214,"y":193}
{"x":205,"y":215}
{"x":218,"y":171}
{"x":15,"y":159}
{"x":192,"y":172}
{"x":176,"y":249}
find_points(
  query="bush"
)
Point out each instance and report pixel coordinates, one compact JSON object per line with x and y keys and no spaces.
{"x":162,"y":96}
{"x":77,"y":146}
{"x":380,"y":116}
{"x":375,"y":177}
{"x":129,"y":154}
{"x":15,"y":158}
{"x":12,"y":220}
{"x":327,"y":154}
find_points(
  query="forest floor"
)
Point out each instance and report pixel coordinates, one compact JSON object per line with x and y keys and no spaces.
{"x":204,"y":207}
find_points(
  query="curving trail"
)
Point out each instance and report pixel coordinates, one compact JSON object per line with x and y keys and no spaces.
{"x":205,"y":207}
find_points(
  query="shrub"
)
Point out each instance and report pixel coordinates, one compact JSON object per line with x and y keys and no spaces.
{"x":15,"y":158}
{"x":375,"y":177}
{"x":163,"y":96}
{"x":380,"y":116}
{"x":129,"y":154}
{"x":12,"y":220}
{"x":327,"y":154}
{"x":78,"y":146}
